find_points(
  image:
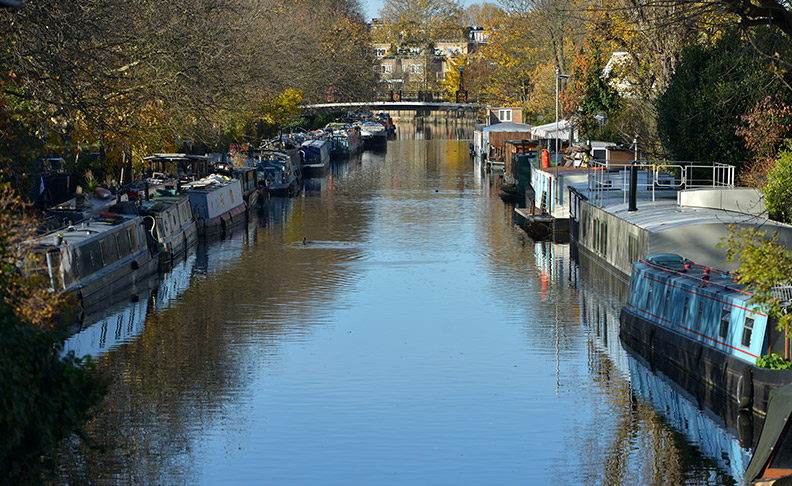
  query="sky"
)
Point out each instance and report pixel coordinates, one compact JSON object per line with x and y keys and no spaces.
{"x":371,"y":7}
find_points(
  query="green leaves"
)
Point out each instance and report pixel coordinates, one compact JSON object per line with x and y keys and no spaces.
{"x":764,"y":264}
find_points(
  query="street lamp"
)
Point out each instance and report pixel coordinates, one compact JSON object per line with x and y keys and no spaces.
{"x":557,"y":79}
{"x":555,"y":132}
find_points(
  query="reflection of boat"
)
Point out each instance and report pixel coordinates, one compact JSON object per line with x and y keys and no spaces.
{"x":217,"y":203}
{"x":314,"y":157}
{"x":700,"y":320}
{"x":120,"y":325}
{"x":716,"y":428}
{"x":278,"y":174}
{"x":97,"y":259}
{"x":170,"y":227}
{"x":772,"y":459}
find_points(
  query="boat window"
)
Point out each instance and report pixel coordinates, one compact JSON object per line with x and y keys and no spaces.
{"x":132,"y":240}
{"x":724,"y":325}
{"x":90,"y":258}
{"x":649,"y":295}
{"x":119,"y":251}
{"x":231,"y":194}
{"x":685,"y":309}
{"x":747,"y":331}
{"x":123,"y":245}
{"x":632,"y":247}
{"x":700,"y":311}
{"x":102,"y":253}
{"x":667,"y":302}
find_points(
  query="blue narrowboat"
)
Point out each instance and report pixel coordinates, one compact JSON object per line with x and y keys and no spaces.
{"x":700,"y":320}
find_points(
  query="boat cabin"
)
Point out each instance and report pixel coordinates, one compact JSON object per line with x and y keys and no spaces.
{"x":182,"y":166}
{"x":703,"y":304}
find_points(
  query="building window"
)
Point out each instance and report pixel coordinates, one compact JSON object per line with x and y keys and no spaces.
{"x":416,"y":69}
{"x":386,"y":68}
{"x":504,"y":115}
{"x":380,"y":52}
{"x":747,"y":331}
{"x":440,"y":75}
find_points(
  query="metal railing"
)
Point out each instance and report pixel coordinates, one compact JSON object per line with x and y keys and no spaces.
{"x":607,"y":178}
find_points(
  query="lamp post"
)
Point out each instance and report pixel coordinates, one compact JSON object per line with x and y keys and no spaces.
{"x":558,"y":77}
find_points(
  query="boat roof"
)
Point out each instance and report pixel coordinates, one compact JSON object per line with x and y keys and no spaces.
{"x":681,"y":269}
{"x":508,"y":127}
{"x":665,"y":214}
{"x":160,"y":203}
{"x":176,"y":156}
{"x":87,"y":230}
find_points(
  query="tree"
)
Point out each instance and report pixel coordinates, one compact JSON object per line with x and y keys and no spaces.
{"x":764,"y":264}
{"x":44,"y":397}
{"x":715,"y":83}
{"x":778,"y":190}
{"x":765,"y":128}
{"x":589,"y":96}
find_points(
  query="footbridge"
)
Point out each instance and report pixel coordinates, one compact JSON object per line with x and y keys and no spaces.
{"x":401,"y":109}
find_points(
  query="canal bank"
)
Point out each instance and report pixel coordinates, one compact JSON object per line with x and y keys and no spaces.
{"x":416,"y":338}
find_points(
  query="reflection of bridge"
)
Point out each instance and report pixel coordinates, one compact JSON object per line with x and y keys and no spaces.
{"x":399,"y":109}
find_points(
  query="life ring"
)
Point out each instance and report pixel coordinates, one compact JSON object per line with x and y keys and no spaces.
{"x":745,"y":389}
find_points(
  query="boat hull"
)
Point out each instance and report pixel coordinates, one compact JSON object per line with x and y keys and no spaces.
{"x":220,"y":225}
{"x":702,"y":368}
{"x":106,"y":285}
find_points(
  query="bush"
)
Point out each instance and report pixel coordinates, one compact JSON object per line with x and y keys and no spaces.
{"x":778,"y":191}
{"x":774,"y":362}
{"x":43,"y":398}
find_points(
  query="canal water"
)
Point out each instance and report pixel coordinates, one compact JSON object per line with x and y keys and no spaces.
{"x":416,"y":336}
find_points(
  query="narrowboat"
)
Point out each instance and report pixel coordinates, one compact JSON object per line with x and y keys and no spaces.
{"x":344,"y":139}
{"x":700,"y":320}
{"x":373,"y":134}
{"x":170,"y":227}
{"x":278,"y":174}
{"x":217,"y":204}
{"x":248,"y":178}
{"x":98,"y":259}
{"x":315,"y":157}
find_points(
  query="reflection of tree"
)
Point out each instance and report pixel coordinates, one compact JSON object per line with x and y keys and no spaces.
{"x":193,"y":359}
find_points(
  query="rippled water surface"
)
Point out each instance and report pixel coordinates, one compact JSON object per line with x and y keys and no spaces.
{"x":416,"y":337}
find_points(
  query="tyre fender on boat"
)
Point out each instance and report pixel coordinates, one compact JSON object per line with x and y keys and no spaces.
{"x":745,"y":389}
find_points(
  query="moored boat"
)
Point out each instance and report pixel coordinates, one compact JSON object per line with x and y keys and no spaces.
{"x":345,"y":140}
{"x":278,"y":174}
{"x":170,"y":227}
{"x":373,"y":134}
{"x":701,"y":321}
{"x":98,"y":259}
{"x":315,"y":157}
{"x":217,"y":204}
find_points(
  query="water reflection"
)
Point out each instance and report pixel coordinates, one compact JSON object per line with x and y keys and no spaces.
{"x":691,"y":442}
{"x":389,"y":326}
